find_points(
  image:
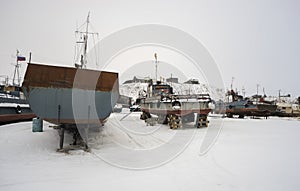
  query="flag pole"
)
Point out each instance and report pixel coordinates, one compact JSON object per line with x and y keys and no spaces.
{"x":16,"y":67}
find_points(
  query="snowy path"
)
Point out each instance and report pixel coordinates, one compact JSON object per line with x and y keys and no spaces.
{"x":249,"y":154}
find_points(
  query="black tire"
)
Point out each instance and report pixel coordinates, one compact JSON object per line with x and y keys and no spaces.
{"x":229,"y":115}
{"x":18,"y":109}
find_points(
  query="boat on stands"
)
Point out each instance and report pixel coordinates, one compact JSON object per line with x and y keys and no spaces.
{"x":173,"y":109}
{"x":255,"y":106}
{"x":288,"y":109}
{"x":71,"y":97}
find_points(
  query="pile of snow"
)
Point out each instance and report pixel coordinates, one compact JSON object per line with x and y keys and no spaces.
{"x":132,"y":89}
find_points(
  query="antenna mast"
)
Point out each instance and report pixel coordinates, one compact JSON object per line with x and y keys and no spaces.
{"x":231,"y":83}
{"x":155,"y":56}
{"x":85,"y":37}
{"x":85,"y":34}
{"x":243,"y":91}
{"x":16,"y":72}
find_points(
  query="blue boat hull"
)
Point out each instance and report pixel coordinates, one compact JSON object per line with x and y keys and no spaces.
{"x":62,"y":95}
{"x":70,"y":106}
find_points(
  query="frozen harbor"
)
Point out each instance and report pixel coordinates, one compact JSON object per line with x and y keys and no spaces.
{"x":247,"y":154}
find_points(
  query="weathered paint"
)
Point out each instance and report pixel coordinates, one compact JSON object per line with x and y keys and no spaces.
{"x":187,"y":107}
{"x":39,"y":75}
{"x":244,"y":107}
{"x":13,"y":114}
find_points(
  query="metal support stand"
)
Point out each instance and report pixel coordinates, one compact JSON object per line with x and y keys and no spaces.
{"x":87,"y":129}
{"x":62,"y":136}
{"x":62,"y":129}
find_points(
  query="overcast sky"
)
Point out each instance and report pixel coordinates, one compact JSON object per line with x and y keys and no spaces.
{"x":256,"y":42}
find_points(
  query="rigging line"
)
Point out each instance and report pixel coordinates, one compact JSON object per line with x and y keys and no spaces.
{"x":76,"y":49}
{"x":75,"y":53}
{"x":96,"y":50}
{"x":93,"y":28}
{"x":82,"y":26}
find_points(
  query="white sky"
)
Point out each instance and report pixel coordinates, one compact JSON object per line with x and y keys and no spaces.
{"x":257,"y":41}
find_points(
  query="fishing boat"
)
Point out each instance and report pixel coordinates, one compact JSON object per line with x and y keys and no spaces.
{"x":64,"y":95}
{"x":71,"y":96}
{"x":13,"y":105}
{"x":173,"y":109}
{"x":242,"y":106}
{"x":264,"y":106}
{"x":255,"y":106}
{"x":13,"y":108}
{"x":288,"y":109}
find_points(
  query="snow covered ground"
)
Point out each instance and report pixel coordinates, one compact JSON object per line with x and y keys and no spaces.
{"x":248,"y":154}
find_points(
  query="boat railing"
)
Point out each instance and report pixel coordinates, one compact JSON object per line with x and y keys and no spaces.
{"x":171,"y":97}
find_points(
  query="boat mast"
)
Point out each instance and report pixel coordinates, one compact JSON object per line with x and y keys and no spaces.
{"x":16,"y":72}
{"x":83,"y":64}
{"x":231,"y":85}
{"x":257,"y":86}
{"x":85,"y":34}
{"x":155,"y":56}
{"x":243,"y":91}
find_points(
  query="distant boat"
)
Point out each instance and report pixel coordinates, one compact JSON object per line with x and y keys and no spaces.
{"x":13,"y":108}
{"x":14,"y":112}
{"x":256,"y":106}
{"x":170,"y":108}
{"x":175,"y":109}
{"x":13,"y":105}
{"x":285,"y":109}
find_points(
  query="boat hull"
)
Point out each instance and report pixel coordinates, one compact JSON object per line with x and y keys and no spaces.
{"x":244,"y":108}
{"x":70,"y":106}
{"x":167,"y":109}
{"x":180,"y":107}
{"x":15,"y":114}
{"x":62,"y":95}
